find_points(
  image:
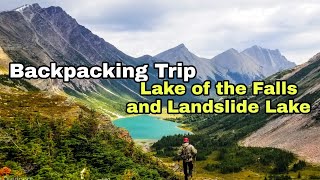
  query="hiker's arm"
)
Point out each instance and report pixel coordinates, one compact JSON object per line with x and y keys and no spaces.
{"x":194,"y":150}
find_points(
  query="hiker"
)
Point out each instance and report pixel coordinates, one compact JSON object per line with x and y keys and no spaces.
{"x":187,"y":153}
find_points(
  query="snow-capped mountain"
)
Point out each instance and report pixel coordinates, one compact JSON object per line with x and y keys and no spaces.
{"x":22,"y":8}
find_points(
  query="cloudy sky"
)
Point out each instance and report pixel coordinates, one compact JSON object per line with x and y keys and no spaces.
{"x":206,"y":27}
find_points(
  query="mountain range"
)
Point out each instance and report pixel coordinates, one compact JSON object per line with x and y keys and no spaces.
{"x":37,"y":36}
{"x":253,"y":63}
{"x":227,"y":143}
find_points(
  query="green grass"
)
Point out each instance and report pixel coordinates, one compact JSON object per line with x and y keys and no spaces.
{"x":102,"y":100}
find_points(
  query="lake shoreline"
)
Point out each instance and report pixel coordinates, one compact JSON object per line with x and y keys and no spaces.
{"x":143,"y":141}
{"x":181,"y":126}
{"x":150,"y":127}
{"x":163,"y":115}
{"x":145,"y":144}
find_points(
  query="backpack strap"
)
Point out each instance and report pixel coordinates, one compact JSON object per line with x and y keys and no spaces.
{"x":186,"y":153}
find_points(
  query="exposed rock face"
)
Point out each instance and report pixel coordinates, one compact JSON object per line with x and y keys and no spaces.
{"x":37,"y":36}
{"x":239,"y":67}
{"x":205,"y":70}
{"x":298,"y":133}
{"x":270,"y":61}
{"x":254,"y":63}
{"x":59,"y":36}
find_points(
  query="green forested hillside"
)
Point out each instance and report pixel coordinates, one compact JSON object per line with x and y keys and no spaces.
{"x":220,"y":134}
{"x":46,"y":136}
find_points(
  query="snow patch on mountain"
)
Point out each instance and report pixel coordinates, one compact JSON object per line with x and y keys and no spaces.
{"x":22,"y":8}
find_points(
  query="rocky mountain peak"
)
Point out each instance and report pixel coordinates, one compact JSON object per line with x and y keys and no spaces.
{"x":178,"y":53}
{"x":259,"y":49}
{"x":32,"y":7}
{"x":52,"y":35}
{"x":271,"y":61}
{"x":231,"y":50}
{"x":181,"y":48}
{"x":55,"y":10}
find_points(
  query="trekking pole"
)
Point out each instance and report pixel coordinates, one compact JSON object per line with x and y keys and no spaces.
{"x":194,"y":166}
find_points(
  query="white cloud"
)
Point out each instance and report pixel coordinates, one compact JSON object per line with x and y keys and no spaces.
{"x":207,"y":27}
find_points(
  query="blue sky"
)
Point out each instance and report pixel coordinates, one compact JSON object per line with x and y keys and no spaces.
{"x":206,"y":27}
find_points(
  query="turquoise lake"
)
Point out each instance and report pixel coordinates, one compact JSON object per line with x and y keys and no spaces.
{"x":149,"y":127}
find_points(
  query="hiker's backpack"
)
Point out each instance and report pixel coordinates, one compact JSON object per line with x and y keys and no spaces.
{"x":186,"y":153}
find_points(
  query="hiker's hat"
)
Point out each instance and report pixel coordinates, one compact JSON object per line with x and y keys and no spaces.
{"x":185,"y":140}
